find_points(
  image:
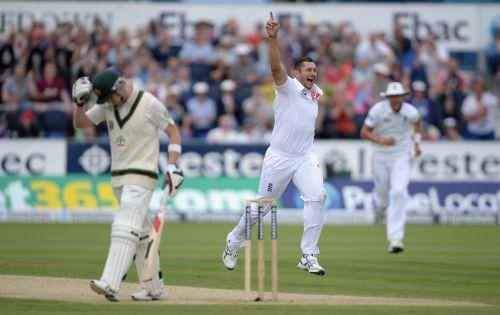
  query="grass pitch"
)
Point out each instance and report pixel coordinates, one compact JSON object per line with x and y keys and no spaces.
{"x":460,"y":263}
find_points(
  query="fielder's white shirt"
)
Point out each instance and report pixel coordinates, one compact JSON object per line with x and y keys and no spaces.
{"x":295,"y":112}
{"x":386,"y":123}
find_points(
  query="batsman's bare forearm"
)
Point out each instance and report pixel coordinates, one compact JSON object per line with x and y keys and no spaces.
{"x":174,"y":137}
{"x":277,"y":70}
{"x":366,"y":133}
{"x":80,"y":119}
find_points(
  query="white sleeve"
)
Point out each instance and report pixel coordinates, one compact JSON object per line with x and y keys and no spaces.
{"x":468,"y":107}
{"x":372,"y":119}
{"x":157,"y":114}
{"x":414,"y":115}
{"x":284,"y":87}
{"x":96,"y":114}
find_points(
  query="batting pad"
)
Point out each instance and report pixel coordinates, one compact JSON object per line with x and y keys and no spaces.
{"x":121,"y":252}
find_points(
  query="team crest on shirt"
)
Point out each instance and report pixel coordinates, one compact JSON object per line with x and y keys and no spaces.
{"x":120,"y":141}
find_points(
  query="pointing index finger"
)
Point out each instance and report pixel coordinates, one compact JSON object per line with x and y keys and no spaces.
{"x":271,"y":15}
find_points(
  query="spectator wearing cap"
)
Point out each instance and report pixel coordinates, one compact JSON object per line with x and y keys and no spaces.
{"x":450,"y":129}
{"x":224,"y":133}
{"x":228,"y":103}
{"x":244,"y":72}
{"x":478,"y":112}
{"x":202,"y":110}
{"x":422,"y":102}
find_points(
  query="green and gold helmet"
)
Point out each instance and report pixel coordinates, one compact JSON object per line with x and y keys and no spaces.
{"x":104,"y":84}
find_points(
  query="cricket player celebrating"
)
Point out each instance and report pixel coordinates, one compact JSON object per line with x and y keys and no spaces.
{"x":389,"y":126}
{"x":133,"y":119}
{"x":290,"y":155}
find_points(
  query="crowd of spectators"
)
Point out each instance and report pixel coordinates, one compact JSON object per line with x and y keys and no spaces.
{"x":217,"y":84}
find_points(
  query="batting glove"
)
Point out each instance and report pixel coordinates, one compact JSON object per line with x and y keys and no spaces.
{"x":173,"y":179}
{"x":81,"y":91}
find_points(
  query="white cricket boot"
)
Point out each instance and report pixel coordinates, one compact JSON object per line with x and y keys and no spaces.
{"x":229,"y":257}
{"x":310,"y":263}
{"x":146,"y":295}
{"x":101,"y":287}
{"x":395,"y":247}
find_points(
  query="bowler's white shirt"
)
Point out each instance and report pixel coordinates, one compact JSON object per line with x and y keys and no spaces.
{"x":295,"y":112}
{"x":386,"y":123}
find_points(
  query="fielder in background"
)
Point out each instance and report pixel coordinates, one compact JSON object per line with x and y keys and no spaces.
{"x":290,"y":155}
{"x":133,"y":118}
{"x":389,"y":126}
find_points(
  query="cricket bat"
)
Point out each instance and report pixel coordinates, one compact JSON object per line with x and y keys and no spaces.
{"x":154,"y":239}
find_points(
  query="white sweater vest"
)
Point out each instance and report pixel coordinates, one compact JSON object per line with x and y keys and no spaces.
{"x":134,"y":143}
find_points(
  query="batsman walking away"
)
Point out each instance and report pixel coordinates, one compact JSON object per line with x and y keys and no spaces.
{"x":290,"y":156}
{"x":134,"y":119}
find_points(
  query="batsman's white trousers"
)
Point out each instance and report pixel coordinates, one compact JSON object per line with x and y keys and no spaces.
{"x":278,"y":169}
{"x":130,"y":227}
{"x":392,"y":176}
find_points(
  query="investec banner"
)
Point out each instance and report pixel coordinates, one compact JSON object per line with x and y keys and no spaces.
{"x":441,"y":161}
{"x":32,"y":157}
{"x":451,"y":183}
{"x":459,"y":26}
{"x":201,"y":160}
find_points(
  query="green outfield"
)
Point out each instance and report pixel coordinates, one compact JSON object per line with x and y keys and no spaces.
{"x":454,"y":263}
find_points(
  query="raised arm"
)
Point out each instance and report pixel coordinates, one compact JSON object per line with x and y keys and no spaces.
{"x":277,"y":70}
{"x":81,"y":92}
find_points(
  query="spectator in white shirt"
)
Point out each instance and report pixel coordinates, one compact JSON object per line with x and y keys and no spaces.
{"x":202,"y":109}
{"x":477,"y":111}
{"x":224,"y":133}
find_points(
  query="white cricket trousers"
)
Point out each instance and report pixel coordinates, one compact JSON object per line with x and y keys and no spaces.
{"x":392,"y":176}
{"x":129,"y":234}
{"x":278,"y":169}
